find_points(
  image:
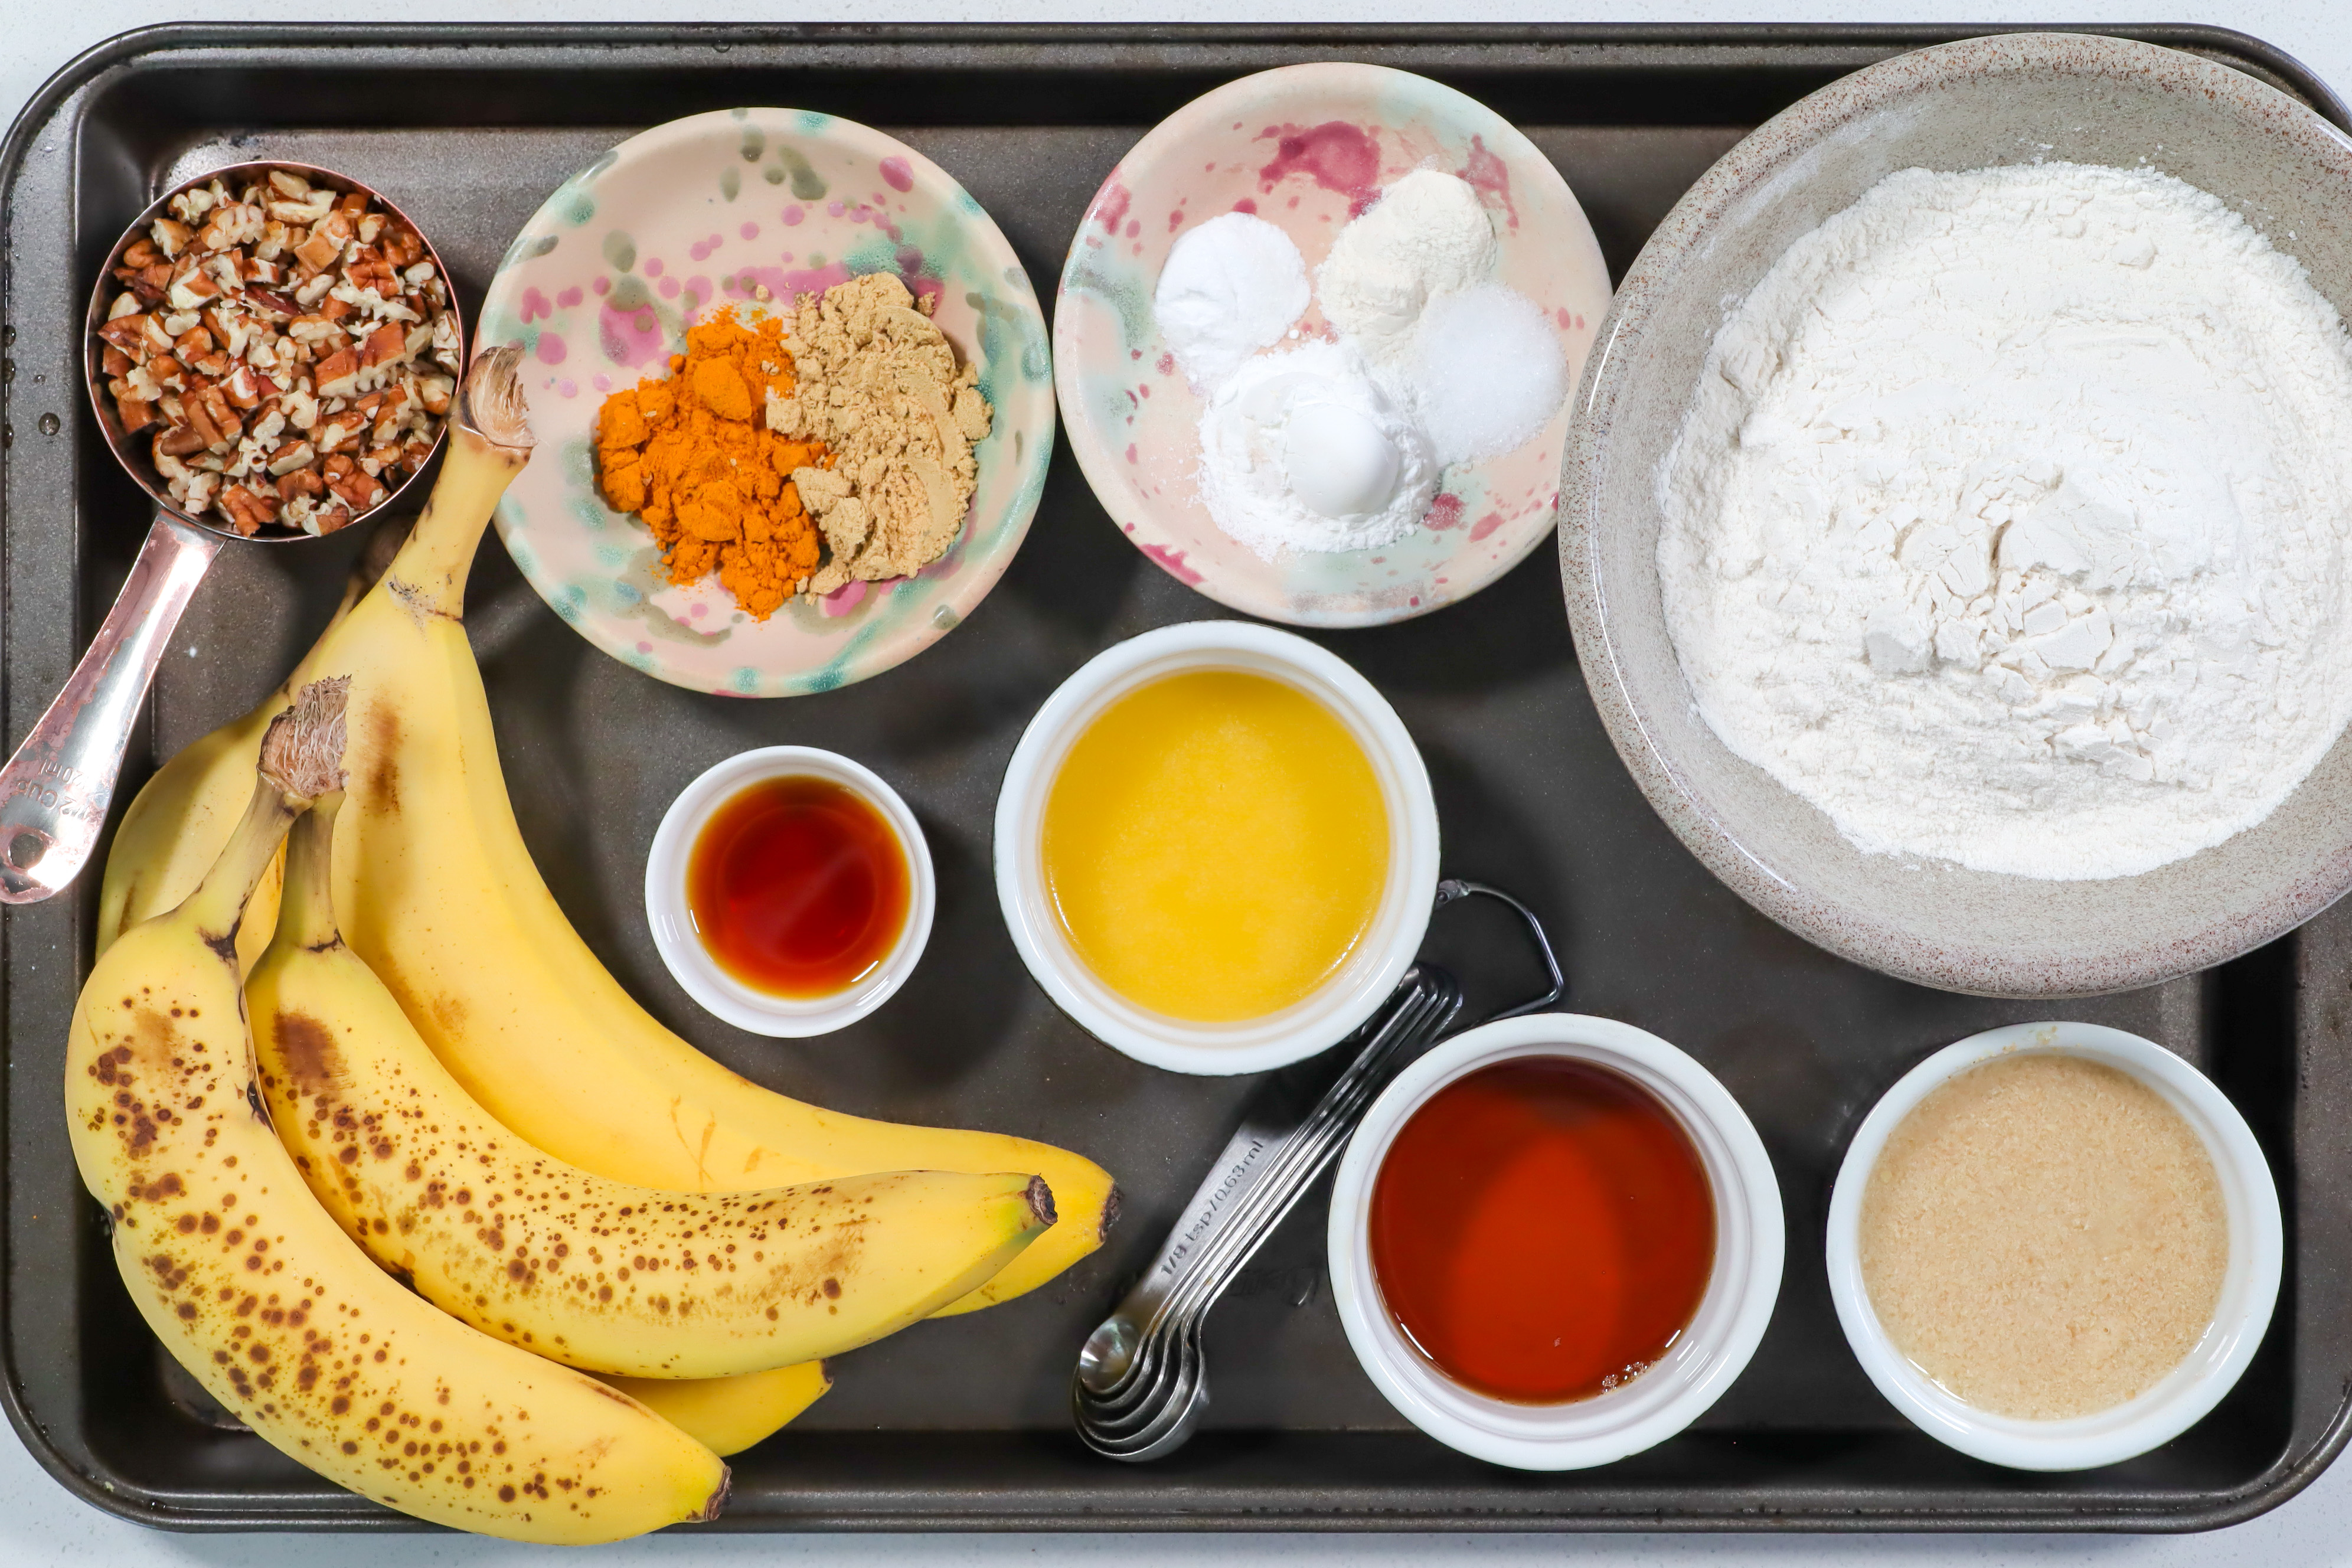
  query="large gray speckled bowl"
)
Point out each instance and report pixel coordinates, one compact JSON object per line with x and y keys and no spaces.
{"x":1969,"y":105}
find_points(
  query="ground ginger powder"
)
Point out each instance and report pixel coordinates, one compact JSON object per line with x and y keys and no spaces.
{"x":2044,"y":1236}
{"x":693,"y":456}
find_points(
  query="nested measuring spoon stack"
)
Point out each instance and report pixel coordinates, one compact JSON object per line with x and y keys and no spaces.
{"x":1142,"y":1380}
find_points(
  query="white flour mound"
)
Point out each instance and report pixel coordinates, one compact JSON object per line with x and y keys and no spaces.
{"x":2007,"y":525}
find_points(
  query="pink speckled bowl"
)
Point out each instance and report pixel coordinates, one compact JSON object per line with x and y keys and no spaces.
{"x":2020,"y":98}
{"x":1306,"y":147}
{"x":675,"y":222}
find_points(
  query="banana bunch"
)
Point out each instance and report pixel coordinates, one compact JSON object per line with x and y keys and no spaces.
{"x":464,"y":1098}
{"x":586,"y":1271}
{"x":255,"y":1290}
{"x":435,"y":890}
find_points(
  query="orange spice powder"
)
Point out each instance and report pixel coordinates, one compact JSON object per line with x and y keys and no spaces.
{"x":692,"y":457}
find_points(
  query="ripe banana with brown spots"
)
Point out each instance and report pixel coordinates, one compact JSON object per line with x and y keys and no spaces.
{"x":592,"y":1273}
{"x":255,"y":1291}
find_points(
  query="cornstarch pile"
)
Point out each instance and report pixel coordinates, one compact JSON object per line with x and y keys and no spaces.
{"x":2007,"y":525}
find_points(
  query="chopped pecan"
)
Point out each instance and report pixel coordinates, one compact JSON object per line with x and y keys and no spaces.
{"x":128,"y":334}
{"x":338,"y":376}
{"x":270,"y":344}
{"x":248,"y":512}
{"x":388,"y":344}
{"x":242,"y":388}
{"x":359,"y":489}
{"x":177,"y":442}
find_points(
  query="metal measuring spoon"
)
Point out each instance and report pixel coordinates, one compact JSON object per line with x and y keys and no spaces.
{"x":54,"y":790}
{"x":1141,"y":1384}
{"x":1145,"y":1422}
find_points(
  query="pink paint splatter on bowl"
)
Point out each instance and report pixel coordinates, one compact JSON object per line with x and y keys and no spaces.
{"x":1171,"y":561}
{"x":897,"y":175}
{"x":1337,"y":156}
{"x":1110,"y":205}
{"x":1490,"y":176}
{"x":629,"y":338}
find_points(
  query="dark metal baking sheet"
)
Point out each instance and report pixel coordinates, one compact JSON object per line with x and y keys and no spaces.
{"x":961,"y":1424}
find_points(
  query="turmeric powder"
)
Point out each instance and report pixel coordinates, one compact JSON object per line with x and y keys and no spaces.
{"x":692,"y":457}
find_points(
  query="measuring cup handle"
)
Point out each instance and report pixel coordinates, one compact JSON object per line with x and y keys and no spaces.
{"x":54,"y":790}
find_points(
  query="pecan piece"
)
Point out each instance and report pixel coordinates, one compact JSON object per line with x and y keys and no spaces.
{"x":248,"y":513}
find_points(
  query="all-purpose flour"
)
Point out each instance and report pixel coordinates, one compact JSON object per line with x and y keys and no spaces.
{"x":2009,"y":523}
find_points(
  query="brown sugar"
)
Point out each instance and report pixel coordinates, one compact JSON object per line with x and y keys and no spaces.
{"x":880,"y":386}
{"x":693,"y":458}
{"x":2044,"y":1237}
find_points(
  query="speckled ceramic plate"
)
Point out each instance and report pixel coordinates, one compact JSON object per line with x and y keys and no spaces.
{"x":2022,"y":98}
{"x":600,"y":288}
{"x":1306,"y":147}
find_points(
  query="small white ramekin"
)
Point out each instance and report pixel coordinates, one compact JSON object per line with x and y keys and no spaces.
{"x":1345,"y":1000}
{"x":673,"y":923}
{"x":1741,"y":1289}
{"x":2249,"y":1286}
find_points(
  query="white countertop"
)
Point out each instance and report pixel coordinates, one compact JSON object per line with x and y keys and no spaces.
{"x":43,"y":1525}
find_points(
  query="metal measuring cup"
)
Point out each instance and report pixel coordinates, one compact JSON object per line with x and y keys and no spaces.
{"x":56,"y":789}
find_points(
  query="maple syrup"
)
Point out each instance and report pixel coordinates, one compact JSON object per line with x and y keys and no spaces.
{"x":1542,"y":1230}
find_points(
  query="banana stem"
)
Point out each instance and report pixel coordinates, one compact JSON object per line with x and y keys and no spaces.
{"x":306,"y":912}
{"x":217,"y":906}
{"x":301,"y":759}
{"x":429,"y":573}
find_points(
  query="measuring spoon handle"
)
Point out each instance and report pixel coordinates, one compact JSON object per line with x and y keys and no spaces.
{"x":54,"y":790}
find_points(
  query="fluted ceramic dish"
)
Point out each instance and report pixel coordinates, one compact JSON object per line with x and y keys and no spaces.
{"x":600,"y":286}
{"x":2017,"y":98}
{"x":1306,"y":147}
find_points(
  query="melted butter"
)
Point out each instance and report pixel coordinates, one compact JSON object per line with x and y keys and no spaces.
{"x":1215,"y":846}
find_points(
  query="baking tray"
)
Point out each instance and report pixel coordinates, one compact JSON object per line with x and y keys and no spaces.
{"x":961,"y":1424}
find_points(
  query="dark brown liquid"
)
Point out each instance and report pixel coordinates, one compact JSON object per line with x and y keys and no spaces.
{"x":1542,"y":1230}
{"x":798,"y":886}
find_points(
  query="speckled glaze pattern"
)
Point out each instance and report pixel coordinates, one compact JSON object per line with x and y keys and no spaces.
{"x":1307,"y":147}
{"x":675,"y":222}
{"x":1985,"y":101}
